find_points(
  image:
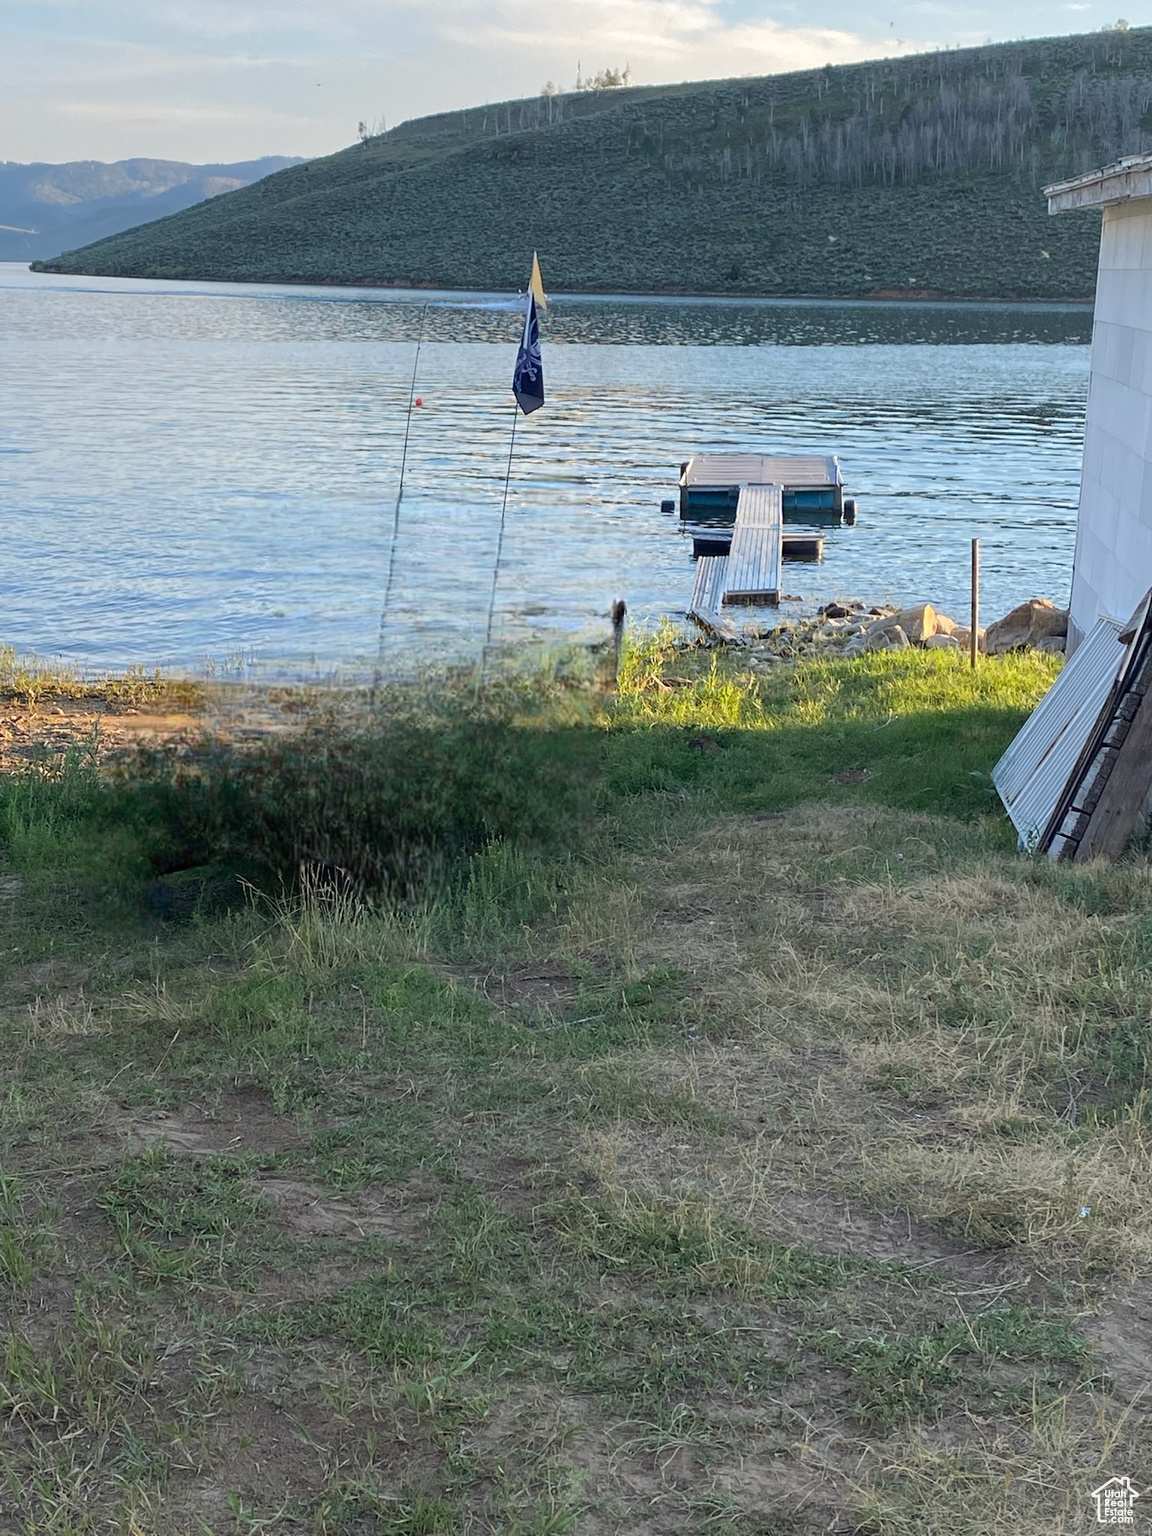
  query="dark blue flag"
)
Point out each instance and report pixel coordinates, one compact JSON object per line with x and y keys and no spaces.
{"x":528,"y":376}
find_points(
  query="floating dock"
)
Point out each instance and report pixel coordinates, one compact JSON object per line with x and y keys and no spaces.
{"x":750,"y":571}
{"x":812,"y":486}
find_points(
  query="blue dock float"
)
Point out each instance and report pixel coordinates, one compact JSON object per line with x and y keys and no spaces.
{"x":813,"y":487}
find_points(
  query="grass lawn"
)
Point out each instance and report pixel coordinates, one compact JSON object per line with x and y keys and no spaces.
{"x":676,"y":1112}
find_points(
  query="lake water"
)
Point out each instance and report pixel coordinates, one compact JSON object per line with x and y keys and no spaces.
{"x":207,"y":473}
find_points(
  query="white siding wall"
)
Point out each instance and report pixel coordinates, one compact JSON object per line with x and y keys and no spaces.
{"x":1113,"y":568}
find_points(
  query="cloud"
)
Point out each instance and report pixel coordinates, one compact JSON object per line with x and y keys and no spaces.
{"x":157,"y":114}
{"x":219,"y":79}
{"x":662,"y":39}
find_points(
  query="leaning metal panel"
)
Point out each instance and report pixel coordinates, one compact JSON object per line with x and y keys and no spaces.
{"x":1032,"y":774}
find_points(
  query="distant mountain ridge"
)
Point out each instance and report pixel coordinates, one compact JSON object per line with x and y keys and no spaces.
{"x":44,"y":207}
{"x":918,"y":175}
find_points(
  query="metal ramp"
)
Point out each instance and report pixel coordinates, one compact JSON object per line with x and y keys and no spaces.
{"x":750,"y":572}
{"x":754,"y":560}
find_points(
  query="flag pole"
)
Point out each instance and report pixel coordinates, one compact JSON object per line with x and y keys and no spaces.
{"x":528,"y":394}
{"x":396,"y":510}
{"x":499,"y":543}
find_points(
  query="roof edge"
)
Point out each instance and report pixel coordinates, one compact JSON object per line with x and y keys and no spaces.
{"x":1121,"y":182}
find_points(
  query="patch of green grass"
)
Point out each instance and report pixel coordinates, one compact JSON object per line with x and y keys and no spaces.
{"x":187,"y":1219}
{"x":901,"y":1377}
{"x":652,"y":1357}
{"x":923,"y":725}
{"x":352,"y":1505}
{"x":374,"y":1316}
{"x":26,"y":1236}
{"x":503,"y":892}
{"x":268,"y":1013}
{"x":659,"y":1353}
{"x":688,"y":1247}
{"x":656,"y":1007}
{"x":377,"y":1148}
{"x":722,"y":1523}
{"x":608,"y":1089}
{"x":418,"y":1015}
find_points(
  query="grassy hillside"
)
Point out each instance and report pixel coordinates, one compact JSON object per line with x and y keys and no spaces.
{"x":920,"y":174}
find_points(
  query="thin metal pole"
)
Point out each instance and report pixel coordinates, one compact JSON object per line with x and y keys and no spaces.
{"x":499,"y":546}
{"x":396,"y":511}
{"x":974,"y":633}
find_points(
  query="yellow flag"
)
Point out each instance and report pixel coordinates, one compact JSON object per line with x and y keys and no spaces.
{"x":536,"y":284}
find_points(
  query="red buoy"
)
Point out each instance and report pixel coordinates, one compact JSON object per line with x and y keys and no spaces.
{"x":419,"y":400}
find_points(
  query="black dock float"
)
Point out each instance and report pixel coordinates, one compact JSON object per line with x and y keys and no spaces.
{"x":797,"y":546}
{"x":705,"y":544}
{"x":803,"y":546}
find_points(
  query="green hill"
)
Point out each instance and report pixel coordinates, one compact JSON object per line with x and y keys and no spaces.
{"x":920,"y":174}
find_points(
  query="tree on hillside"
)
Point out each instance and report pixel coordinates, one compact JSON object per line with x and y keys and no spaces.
{"x":606,"y":80}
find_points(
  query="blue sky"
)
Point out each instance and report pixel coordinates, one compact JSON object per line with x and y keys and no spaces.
{"x":211,"y":80}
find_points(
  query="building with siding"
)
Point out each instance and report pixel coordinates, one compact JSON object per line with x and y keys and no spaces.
{"x":1113,"y":563}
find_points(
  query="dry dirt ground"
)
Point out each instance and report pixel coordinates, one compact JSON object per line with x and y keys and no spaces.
{"x":28,"y":735}
{"x":170,"y":717}
{"x":793,"y":1178}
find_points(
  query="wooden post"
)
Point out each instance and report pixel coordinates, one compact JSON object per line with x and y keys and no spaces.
{"x":974,"y":635}
{"x":619,"y":613}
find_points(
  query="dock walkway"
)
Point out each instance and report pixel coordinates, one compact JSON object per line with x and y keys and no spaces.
{"x":750,"y":572}
{"x":757,"y":545}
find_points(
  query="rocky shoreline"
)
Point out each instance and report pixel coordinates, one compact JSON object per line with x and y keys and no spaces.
{"x":853,"y":628}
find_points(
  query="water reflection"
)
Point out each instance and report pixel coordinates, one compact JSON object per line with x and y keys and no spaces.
{"x":144,"y":309}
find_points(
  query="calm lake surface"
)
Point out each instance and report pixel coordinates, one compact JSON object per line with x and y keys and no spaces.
{"x":195,"y":474}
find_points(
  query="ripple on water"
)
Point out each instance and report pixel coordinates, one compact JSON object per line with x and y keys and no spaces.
{"x":199,"y":471}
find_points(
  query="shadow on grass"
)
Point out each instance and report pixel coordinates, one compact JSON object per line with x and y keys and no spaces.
{"x":397,"y":812}
{"x":936,"y":762}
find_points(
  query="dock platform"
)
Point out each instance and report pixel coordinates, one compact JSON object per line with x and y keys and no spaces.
{"x":812,"y":485}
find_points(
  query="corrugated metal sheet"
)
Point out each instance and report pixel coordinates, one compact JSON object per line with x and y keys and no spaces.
{"x":1033,"y":772}
{"x":723,"y":469}
{"x":757,"y":542}
{"x":761,"y":504}
{"x":708,"y":591}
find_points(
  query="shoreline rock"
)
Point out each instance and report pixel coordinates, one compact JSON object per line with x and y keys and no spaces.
{"x":1029,"y":626}
{"x":849,"y":628}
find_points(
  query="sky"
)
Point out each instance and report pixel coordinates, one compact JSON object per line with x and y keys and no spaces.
{"x":222,"y":80}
